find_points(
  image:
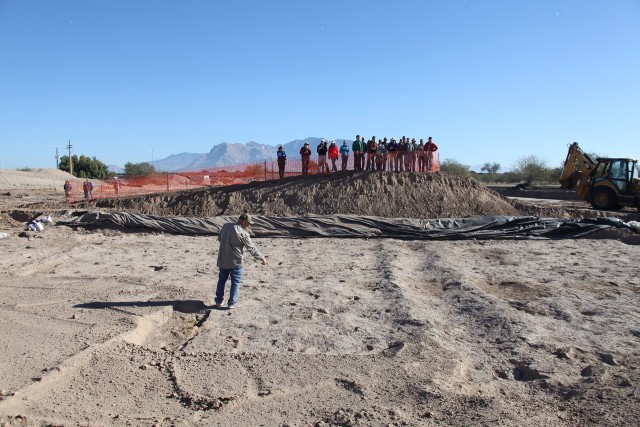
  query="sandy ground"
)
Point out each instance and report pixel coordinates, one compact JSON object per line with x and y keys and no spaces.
{"x":107,"y":328}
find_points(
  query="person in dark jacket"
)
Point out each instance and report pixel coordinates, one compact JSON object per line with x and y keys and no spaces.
{"x":402,"y":152}
{"x":282,"y":161}
{"x":305,"y":153}
{"x":381,"y":155}
{"x":414,"y":157}
{"x":392,"y":149}
{"x":322,"y":156}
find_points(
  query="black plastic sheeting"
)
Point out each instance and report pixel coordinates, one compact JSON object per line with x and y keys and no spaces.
{"x":351,"y":226}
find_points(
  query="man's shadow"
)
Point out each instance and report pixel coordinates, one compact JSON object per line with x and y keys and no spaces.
{"x":183,"y":306}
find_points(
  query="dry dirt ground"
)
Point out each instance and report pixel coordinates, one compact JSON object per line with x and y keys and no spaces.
{"x":108,"y":327}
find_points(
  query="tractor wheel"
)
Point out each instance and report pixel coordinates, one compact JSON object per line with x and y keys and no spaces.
{"x":603,"y":199}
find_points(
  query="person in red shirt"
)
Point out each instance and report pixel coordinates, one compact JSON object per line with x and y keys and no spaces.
{"x":86,"y":188}
{"x":429,"y":148}
{"x":334,"y":153}
{"x":67,"y":190}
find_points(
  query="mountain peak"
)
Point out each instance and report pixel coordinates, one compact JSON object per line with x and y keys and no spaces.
{"x":227,"y":153}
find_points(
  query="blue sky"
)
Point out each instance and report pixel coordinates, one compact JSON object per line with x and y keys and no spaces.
{"x":489,"y":80}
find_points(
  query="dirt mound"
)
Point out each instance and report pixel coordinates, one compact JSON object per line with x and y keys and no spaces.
{"x":35,"y":178}
{"x":384,"y":194}
{"x":25,"y":194}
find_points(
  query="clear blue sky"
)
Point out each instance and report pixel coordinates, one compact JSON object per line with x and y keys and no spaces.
{"x":489,"y":80}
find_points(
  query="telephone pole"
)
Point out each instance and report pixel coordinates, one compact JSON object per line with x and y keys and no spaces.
{"x":70,"y":161}
{"x":57,"y":158}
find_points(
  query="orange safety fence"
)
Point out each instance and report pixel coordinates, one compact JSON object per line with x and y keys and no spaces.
{"x":165,"y":182}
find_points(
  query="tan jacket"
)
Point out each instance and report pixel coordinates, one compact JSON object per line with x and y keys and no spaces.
{"x":233,"y":239}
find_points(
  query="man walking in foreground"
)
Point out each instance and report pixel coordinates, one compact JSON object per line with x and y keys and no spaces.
{"x":233,"y":239}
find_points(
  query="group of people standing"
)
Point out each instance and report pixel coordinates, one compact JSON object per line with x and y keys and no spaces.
{"x":87,"y":189}
{"x":405,"y":155}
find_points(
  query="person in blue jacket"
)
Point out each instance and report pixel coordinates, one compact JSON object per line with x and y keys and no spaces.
{"x":344,"y":154}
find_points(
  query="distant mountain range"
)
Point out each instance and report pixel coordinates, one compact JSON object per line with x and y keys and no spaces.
{"x":229,"y":154}
{"x":226,"y":153}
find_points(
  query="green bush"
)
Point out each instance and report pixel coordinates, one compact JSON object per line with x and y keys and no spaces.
{"x":139,"y":169}
{"x":86,"y":167}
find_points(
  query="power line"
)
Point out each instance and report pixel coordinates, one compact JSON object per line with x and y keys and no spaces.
{"x":69,"y":146}
{"x":31,"y":145}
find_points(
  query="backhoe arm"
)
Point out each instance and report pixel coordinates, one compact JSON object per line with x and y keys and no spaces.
{"x":577,"y":168}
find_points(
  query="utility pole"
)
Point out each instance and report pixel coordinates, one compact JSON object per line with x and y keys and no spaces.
{"x":57,"y":158}
{"x":70,"y":161}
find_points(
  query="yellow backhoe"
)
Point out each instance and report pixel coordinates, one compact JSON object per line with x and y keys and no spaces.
{"x":608,"y":183}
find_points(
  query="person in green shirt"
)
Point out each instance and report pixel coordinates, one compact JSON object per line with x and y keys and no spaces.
{"x":358,"y":153}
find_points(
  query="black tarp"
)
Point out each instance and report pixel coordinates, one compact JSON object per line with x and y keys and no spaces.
{"x":479,"y":227}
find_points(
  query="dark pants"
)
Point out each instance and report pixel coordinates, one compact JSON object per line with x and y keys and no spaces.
{"x":358,"y":161}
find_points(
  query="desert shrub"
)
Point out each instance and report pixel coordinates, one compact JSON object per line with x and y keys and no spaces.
{"x":137,"y":169}
{"x":454,"y":167}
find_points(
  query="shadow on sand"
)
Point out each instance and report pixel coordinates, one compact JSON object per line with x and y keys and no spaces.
{"x":183,"y":306}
